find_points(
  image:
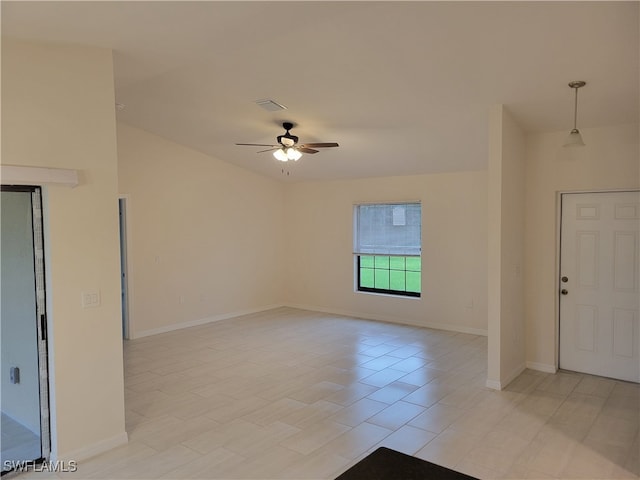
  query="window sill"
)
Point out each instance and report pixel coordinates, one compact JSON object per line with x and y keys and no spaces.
{"x":391,"y":295}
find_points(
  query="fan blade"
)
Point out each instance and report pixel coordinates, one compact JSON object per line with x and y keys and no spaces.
{"x":268,"y":150}
{"x":257,"y":144}
{"x":320,"y":145}
{"x":307,"y":150}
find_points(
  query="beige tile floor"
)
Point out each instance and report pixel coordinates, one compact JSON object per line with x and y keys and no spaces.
{"x":291,"y":394}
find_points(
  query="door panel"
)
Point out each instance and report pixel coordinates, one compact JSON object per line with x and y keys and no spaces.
{"x":599,"y":303}
{"x":588,"y":245}
{"x":586,"y":321}
{"x":624,"y":277}
{"x":623,"y":325}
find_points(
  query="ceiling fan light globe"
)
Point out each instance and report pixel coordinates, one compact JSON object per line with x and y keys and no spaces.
{"x":574,"y":139}
{"x":293,"y":154}
{"x":280,"y":155}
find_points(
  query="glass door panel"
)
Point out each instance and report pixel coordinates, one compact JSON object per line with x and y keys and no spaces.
{"x":21,"y":336}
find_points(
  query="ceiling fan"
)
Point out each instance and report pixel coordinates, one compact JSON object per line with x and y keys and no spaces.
{"x":288,"y":148}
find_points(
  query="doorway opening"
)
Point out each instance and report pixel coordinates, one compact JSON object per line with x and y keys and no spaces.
{"x":599,"y":301}
{"x":23,"y":334}
{"x":124,"y":265}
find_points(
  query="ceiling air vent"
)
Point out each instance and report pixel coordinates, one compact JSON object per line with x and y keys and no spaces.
{"x":270,"y":105}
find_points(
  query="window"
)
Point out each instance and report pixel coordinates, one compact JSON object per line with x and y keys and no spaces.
{"x":387,"y":246}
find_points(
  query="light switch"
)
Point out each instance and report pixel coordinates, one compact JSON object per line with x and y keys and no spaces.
{"x":91,"y":299}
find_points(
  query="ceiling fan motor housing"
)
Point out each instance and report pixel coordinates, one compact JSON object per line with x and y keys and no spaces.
{"x":287,"y":139}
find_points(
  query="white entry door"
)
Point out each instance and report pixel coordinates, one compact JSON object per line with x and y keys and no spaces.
{"x":599,"y":295}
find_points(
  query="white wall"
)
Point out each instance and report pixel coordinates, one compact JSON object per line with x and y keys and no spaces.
{"x":506,"y":354}
{"x":229,"y":241}
{"x":610,"y":160}
{"x":207,"y":237}
{"x":319,"y":242}
{"x":512,"y":349}
{"x":21,"y":401}
{"x":58,"y":111}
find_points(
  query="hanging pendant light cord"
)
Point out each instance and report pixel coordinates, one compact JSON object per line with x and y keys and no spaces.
{"x":576,"y":85}
{"x":575,"y":111}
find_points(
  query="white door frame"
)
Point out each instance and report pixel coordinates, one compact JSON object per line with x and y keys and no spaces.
{"x":558,"y":246}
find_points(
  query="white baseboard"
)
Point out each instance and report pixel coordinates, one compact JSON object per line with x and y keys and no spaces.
{"x":503,"y":382}
{"x":201,"y":321}
{"x":89,"y":451}
{"x":313,"y":308}
{"x":386,"y":318}
{"x":493,"y":384}
{"x":542,"y":367}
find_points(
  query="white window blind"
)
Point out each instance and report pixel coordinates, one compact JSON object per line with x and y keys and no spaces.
{"x":388,"y":229}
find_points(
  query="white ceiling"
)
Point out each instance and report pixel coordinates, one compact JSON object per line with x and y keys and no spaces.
{"x":404,"y":87}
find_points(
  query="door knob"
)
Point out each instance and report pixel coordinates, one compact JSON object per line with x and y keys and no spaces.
{"x":564,"y":291}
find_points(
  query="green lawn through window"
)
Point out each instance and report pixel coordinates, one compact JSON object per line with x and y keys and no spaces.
{"x":390,"y":274}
